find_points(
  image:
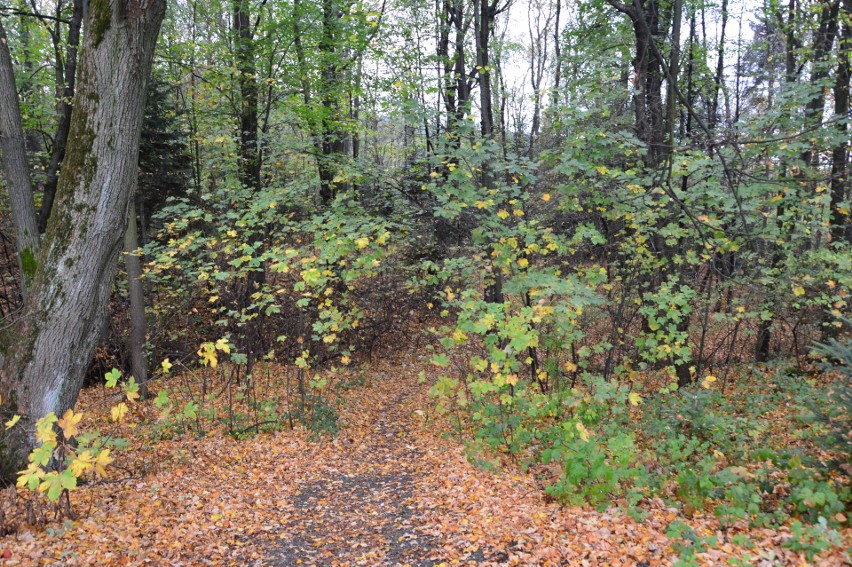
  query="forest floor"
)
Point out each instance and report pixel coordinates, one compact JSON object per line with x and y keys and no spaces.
{"x":391,"y":488}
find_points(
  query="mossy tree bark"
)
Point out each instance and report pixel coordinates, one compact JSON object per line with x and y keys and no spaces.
{"x":48,"y":349}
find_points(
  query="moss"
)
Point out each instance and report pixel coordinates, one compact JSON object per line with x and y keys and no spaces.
{"x":102,"y":19}
{"x":79,"y":168}
{"x":28,"y":263}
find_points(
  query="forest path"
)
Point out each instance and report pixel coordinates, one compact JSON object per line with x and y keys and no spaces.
{"x":393,"y":488}
{"x":358,"y":505}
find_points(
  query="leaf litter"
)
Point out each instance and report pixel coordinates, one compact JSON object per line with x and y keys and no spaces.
{"x":392,"y":487}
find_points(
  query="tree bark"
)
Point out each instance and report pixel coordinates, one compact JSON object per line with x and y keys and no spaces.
{"x":245,"y":60}
{"x":60,"y":140}
{"x":839,"y":220}
{"x":138,"y":334}
{"x":16,"y":167}
{"x":48,"y":349}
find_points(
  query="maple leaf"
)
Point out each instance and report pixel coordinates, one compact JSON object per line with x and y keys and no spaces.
{"x":118,"y":412}
{"x":581,"y":429}
{"x":42,"y":455}
{"x":31,"y":477}
{"x":101,"y":461}
{"x":131,"y":389}
{"x":51,"y":485}
{"x":68,"y":423}
{"x":708,"y":381}
{"x":83,"y":463}
{"x":222,"y":344}
{"x":207,"y":352}
{"x":166,"y":365}
{"x":11,"y":423}
{"x":635,"y":399}
{"x":112,"y":378}
{"x":44,"y":429}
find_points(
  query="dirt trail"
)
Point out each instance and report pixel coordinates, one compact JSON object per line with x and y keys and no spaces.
{"x":360,"y":505}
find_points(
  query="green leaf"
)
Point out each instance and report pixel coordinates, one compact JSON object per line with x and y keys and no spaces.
{"x":112,"y":378}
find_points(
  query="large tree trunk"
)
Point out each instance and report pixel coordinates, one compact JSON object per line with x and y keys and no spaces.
{"x":47,"y":351}
{"x":16,"y":167}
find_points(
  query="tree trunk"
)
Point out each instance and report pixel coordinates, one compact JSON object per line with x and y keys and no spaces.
{"x":60,"y":140}
{"x":48,"y":350}
{"x":16,"y":167}
{"x":839,"y":220}
{"x":245,"y":62}
{"x":137,"y":340}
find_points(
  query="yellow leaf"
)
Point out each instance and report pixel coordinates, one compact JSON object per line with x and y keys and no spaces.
{"x":523,"y":262}
{"x":362,"y":242}
{"x":101,"y":461}
{"x":82,"y":463}
{"x":222,"y":344}
{"x":545,"y":197}
{"x":166,"y":365}
{"x":798,"y":291}
{"x":635,"y":399}
{"x":208,"y":356}
{"x":68,"y":423}
{"x":118,"y":412}
{"x":503,"y":214}
{"x":11,"y":423}
{"x":345,"y":359}
{"x":570,"y":366}
{"x":708,"y":381}
{"x":518,"y":213}
{"x":44,"y":429}
{"x":581,"y":429}
{"x":132,"y":395}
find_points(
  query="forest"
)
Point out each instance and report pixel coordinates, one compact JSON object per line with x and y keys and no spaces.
{"x":425,"y":282}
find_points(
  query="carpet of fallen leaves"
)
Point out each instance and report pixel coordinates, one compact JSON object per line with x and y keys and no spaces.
{"x":391,"y":488}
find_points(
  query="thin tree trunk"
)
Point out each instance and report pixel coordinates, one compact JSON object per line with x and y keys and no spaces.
{"x":137,"y":339}
{"x":245,"y":62}
{"x":60,"y":140}
{"x":839,"y":221}
{"x":17,"y":168}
